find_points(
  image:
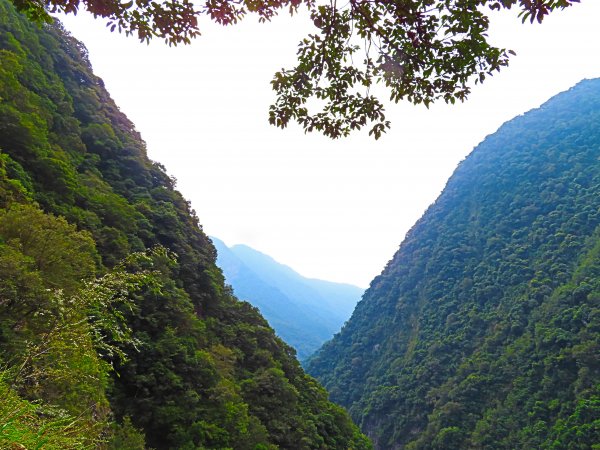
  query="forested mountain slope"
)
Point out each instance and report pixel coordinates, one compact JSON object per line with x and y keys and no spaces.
{"x":95,"y":353}
{"x":304,"y":312}
{"x":483,"y":331}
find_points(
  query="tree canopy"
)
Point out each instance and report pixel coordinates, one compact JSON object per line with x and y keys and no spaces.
{"x":421,"y":50}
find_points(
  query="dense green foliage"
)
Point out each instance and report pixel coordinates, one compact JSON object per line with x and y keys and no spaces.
{"x":421,"y":50}
{"x":305,"y":312}
{"x":59,"y":333}
{"x":102,"y":342}
{"x":483,"y":331}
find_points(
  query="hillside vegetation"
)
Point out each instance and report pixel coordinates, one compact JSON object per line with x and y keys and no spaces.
{"x":483,"y":331}
{"x":116,"y":329}
{"x":305,"y":312}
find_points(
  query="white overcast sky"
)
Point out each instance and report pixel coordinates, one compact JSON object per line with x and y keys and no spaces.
{"x":334,"y":210}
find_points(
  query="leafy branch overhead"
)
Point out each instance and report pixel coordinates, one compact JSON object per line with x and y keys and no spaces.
{"x":421,"y":50}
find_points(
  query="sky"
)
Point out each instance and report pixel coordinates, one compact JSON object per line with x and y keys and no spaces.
{"x":334,"y":210}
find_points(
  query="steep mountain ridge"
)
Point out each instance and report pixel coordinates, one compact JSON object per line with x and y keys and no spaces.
{"x":304,"y":312}
{"x":193,"y":367}
{"x":483,"y":330}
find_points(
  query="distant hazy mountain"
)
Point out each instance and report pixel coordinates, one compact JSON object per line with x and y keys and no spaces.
{"x":305,"y":312}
